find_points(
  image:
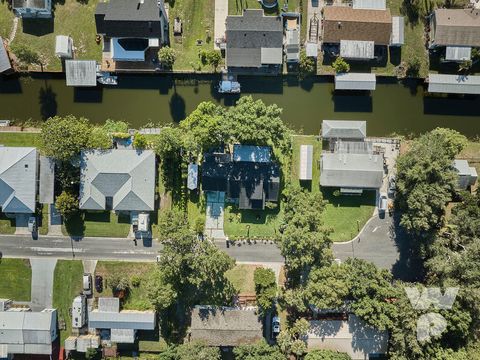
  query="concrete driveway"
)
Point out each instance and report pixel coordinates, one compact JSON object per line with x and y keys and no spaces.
{"x":42,"y":282}
{"x":214,"y":215}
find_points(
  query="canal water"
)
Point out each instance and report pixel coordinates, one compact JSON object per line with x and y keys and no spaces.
{"x":394,"y":107}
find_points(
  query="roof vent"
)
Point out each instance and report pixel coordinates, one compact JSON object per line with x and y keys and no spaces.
{"x":339,"y":25}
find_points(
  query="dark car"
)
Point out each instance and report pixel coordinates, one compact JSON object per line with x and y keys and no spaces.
{"x":98,"y":283}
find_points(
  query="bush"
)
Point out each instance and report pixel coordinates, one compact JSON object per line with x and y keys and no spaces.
{"x":135,"y":280}
{"x":140,"y":141}
{"x":167,"y":56}
{"x":25,"y":54}
{"x":66,"y":204}
{"x":265,"y":287}
{"x":306,"y":66}
{"x":340,"y":65}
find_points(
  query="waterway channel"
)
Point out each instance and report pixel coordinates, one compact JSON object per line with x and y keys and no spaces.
{"x":394,"y":107}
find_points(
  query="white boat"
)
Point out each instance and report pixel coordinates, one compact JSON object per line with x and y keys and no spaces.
{"x":229,"y":87}
{"x":106,"y":78}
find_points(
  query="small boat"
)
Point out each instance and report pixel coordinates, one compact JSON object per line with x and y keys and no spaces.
{"x":105,"y":78}
{"x":229,"y":87}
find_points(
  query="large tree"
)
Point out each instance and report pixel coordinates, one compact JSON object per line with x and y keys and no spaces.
{"x":258,"y":351}
{"x":326,"y":355}
{"x":190,"y":351}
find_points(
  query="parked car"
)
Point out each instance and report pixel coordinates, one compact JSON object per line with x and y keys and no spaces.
{"x":87,"y":284}
{"x":392,"y":184}
{"x":32,"y":224}
{"x":383,"y":203}
{"x":98,"y":283}
{"x":275,"y":326}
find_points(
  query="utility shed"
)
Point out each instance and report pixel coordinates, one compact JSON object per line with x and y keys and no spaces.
{"x":355,"y":81}
{"x":64,"y":46}
{"x":311,"y":49}
{"x":5,"y":64}
{"x":225,"y":326}
{"x":398,"y":31}
{"x":370,"y":4}
{"x":306,"y":161}
{"x":344,"y":129}
{"x":454,"y":84}
{"x":467,"y":175}
{"x":192,"y":180}
{"x":355,"y":49}
{"x":47,"y":180}
{"x":81,"y":72}
{"x":458,"y":53}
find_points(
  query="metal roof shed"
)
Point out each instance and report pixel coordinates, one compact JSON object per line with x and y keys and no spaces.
{"x":81,"y":72}
{"x":344,"y":129}
{"x":398,"y":31}
{"x":311,"y":50}
{"x":63,"y":46}
{"x":455,"y":84}
{"x":370,"y":4}
{"x":47,"y":180}
{"x":355,"y":81}
{"x":355,"y":49}
{"x":306,"y":161}
{"x":458,"y":53}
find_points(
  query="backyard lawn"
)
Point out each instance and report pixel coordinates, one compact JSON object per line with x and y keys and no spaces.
{"x":241,"y":276}
{"x":236,"y":7}
{"x":472,"y":154}
{"x":67,"y":284}
{"x":7,"y":225}
{"x":6,"y":20}
{"x":19,"y":139}
{"x":97,"y":223}
{"x":16,"y":279}
{"x":71,"y":17}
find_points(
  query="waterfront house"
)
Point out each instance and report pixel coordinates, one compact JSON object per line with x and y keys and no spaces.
{"x":456,"y":31}
{"x":467,"y":175}
{"x":249,"y":177}
{"x":5,"y":64}
{"x":18,"y":179}
{"x":119,"y":180}
{"x":254,"y":42}
{"x":225,"y":326}
{"x":352,"y":336}
{"x":132,"y":31}
{"x":356,"y":33}
{"x":31,"y":9}
{"x":26,"y":332}
{"x":454,"y":84}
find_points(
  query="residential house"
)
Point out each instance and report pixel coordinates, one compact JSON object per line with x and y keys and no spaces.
{"x":467,"y":175}
{"x":225,"y":326}
{"x":355,"y":33}
{"x":5,"y":64}
{"x":119,"y":326}
{"x":254,"y":41}
{"x":27,"y":332}
{"x":454,"y":84}
{"x":248,"y":177}
{"x":18,"y":179}
{"x":29,"y":9}
{"x":292,"y":40}
{"x":131,"y":29}
{"x":352,"y":336}
{"x":352,"y":130}
{"x":455,"y":30}
{"x":119,"y":180}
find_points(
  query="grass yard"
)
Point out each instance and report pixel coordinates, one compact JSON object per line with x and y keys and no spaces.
{"x":97,"y":223}
{"x":19,"y":139}
{"x":251,"y":224}
{"x":198,"y":24}
{"x":67,"y":283}
{"x":7,"y":225}
{"x":6,"y":20}
{"x":346,"y":215}
{"x":16,"y":279}
{"x":313,"y":185}
{"x":472,"y":154}
{"x":43,"y":220}
{"x":236,"y":7}
{"x":241,"y":276}
{"x":71,"y":17}
{"x":135,"y":272}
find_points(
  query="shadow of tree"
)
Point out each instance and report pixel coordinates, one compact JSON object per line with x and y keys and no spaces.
{"x":48,"y":102}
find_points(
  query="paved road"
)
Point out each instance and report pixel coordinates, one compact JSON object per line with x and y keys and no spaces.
{"x":42,"y":282}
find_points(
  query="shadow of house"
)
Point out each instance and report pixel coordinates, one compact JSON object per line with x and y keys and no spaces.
{"x":88,"y":94}
{"x":457,"y":105}
{"x":360,"y":101}
{"x":38,"y":27}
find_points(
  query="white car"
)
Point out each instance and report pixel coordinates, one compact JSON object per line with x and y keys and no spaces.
{"x":383,"y":203}
{"x":87,"y":284}
{"x":275,"y":325}
{"x":32,"y":224}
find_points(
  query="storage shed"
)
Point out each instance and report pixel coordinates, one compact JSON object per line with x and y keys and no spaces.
{"x":467,"y":175}
{"x":398,"y":31}
{"x":355,"y":81}
{"x":306,"y":161}
{"x":64,"y":47}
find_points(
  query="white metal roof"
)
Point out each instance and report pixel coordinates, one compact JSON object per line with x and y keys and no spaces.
{"x":311,"y":49}
{"x":306,"y":162}
{"x":398,"y":31}
{"x":456,"y":84}
{"x":126,"y":319}
{"x":355,"y":81}
{"x":344,"y":129}
{"x":458,"y":53}
{"x":356,"y":49}
{"x":63,"y":46}
{"x":81,"y":72}
{"x":370,"y":4}
{"x":124,"y":336}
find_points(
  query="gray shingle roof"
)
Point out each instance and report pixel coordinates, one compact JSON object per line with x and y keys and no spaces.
{"x":128,"y":176}
{"x":364,"y":171}
{"x":459,"y":27}
{"x":344,"y":129}
{"x":18,"y":176}
{"x":247,"y":34}
{"x":223,"y":326}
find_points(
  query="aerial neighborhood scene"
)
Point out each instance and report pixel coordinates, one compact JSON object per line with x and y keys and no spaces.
{"x":240,"y":179}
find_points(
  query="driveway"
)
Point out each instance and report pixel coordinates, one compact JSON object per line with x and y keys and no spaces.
{"x":221,"y":12}
{"x":214,"y":215}
{"x":42,"y":282}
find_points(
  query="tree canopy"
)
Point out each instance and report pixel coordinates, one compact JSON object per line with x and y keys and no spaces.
{"x":258,"y":351}
{"x":326,"y":355}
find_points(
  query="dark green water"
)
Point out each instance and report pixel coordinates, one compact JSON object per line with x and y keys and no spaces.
{"x":394,"y":107}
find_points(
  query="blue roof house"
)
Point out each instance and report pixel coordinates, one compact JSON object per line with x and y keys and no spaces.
{"x":29,"y":9}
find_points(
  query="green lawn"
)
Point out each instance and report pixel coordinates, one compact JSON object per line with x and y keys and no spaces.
{"x":236,"y":7}
{"x":241,"y":276}
{"x":198,"y":24}
{"x":7,"y":225}
{"x":97,"y":223}
{"x":472,"y":154}
{"x":16,"y":279}
{"x":43,"y":220}
{"x":67,"y":284}
{"x":6,"y":20}
{"x":71,"y":17}
{"x":133,"y":271}
{"x":20,"y":139}
{"x":346,"y":215}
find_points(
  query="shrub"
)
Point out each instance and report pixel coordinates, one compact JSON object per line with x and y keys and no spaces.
{"x":140,"y":141}
{"x":66,"y":204}
{"x":25,"y":54}
{"x":167,"y":56}
{"x":340,"y":65}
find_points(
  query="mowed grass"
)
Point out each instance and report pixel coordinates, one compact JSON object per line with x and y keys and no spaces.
{"x":198,"y":24}
{"x":472,"y":154}
{"x":251,"y":224}
{"x":6,"y":20}
{"x":97,"y":223}
{"x":7,"y":225}
{"x":236,"y":7}
{"x":241,"y":276}
{"x":67,"y":284}
{"x":71,"y":17}
{"x":20,"y":139}
{"x":15,"y":279}
{"x":132,"y":271}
